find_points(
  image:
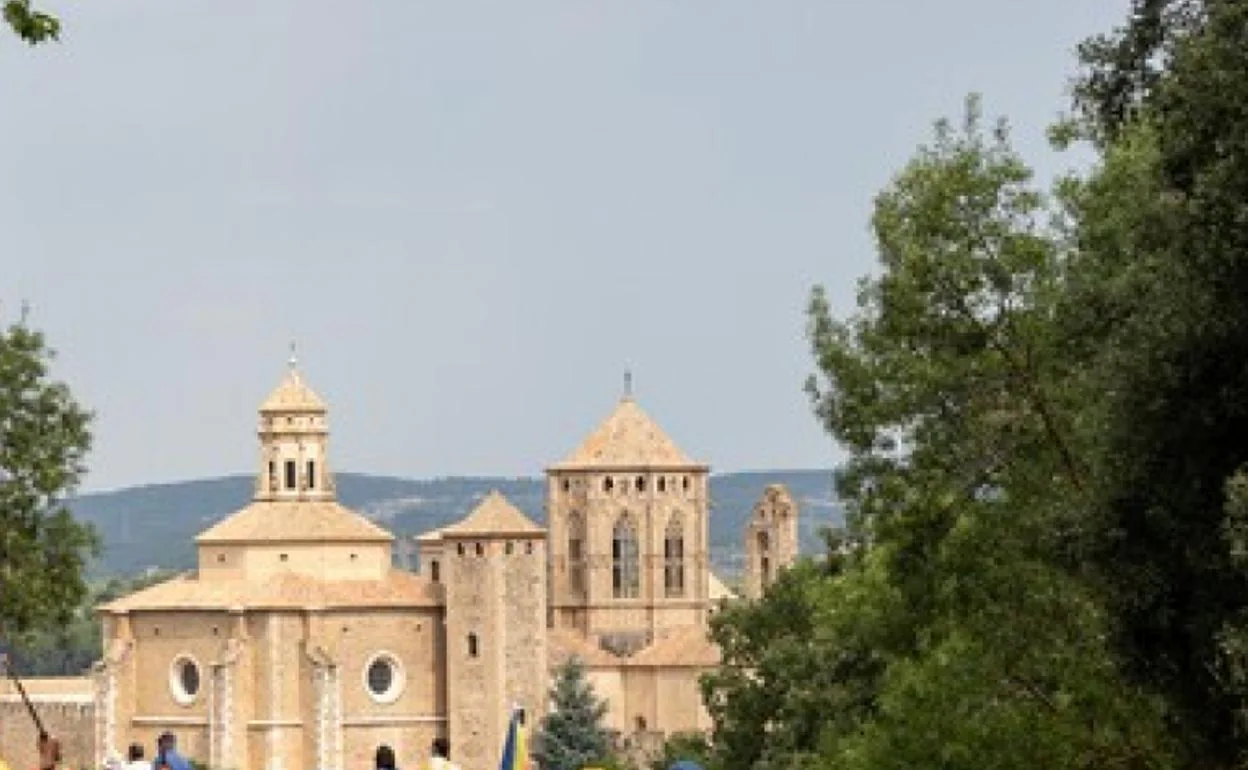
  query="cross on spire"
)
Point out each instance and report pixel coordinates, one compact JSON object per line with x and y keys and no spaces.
{"x":293,"y":361}
{"x":628,"y":384}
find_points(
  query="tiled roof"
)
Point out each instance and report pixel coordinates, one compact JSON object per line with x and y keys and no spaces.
{"x":564,"y":643}
{"x":628,"y":438}
{"x":293,"y":395}
{"x":686,"y":646}
{"x":294,"y":521}
{"x":493,"y":516}
{"x":287,"y":591}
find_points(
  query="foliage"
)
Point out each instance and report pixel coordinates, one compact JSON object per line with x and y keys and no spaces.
{"x":572,"y":735}
{"x":1173,"y":417}
{"x":961,"y":404}
{"x":71,"y":649}
{"x":690,"y":746}
{"x":30,"y":24}
{"x":613,"y":761}
{"x":963,"y":626}
{"x":44,"y":437}
{"x":789,"y":671}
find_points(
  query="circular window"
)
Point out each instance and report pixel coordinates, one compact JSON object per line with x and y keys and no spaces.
{"x":184,"y":680}
{"x":383,"y":678}
{"x":380,"y":677}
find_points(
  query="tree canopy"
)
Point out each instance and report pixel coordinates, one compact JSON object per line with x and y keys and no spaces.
{"x":1175,"y":415}
{"x":1043,"y":394}
{"x":44,"y":437}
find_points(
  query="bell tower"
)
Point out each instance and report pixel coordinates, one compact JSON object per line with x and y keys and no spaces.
{"x":294,"y":442}
{"x":629,"y":525}
{"x":771,"y":542}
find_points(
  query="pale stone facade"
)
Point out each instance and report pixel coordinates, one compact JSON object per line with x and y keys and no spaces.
{"x":628,"y":531}
{"x":770,"y":539}
{"x":297,"y":645}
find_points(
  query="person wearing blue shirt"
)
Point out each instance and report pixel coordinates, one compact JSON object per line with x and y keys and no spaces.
{"x":167,"y":756}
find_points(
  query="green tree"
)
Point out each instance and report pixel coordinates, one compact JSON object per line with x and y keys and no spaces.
{"x":572,"y":735}
{"x":688,"y":746}
{"x":31,"y":24}
{"x":1170,"y":86}
{"x":44,"y":436}
{"x":962,"y":406}
{"x":800,"y":663}
{"x":70,"y":649}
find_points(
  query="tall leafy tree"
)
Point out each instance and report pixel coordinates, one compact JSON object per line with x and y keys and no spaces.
{"x":44,"y":437}
{"x":961,"y":404}
{"x":1175,"y":413}
{"x":1048,"y":436}
{"x":572,"y":735}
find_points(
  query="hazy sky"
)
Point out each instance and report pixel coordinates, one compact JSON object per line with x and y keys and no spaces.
{"x":474,"y":216}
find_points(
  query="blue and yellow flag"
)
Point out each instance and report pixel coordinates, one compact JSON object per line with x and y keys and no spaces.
{"x":516,"y":748}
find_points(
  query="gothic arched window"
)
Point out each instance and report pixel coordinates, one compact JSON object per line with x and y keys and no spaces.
{"x":674,"y":557}
{"x":625,"y":561}
{"x":576,"y":553}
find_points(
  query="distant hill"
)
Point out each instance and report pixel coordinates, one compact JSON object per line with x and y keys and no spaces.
{"x":155,"y":526}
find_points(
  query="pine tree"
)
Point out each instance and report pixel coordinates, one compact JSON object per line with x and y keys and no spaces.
{"x":572,"y":736}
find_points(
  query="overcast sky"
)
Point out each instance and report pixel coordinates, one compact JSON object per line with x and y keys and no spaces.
{"x":473,"y":217}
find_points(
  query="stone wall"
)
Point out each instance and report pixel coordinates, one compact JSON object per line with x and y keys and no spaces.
{"x":650,"y":500}
{"x":473,"y":657}
{"x":65,"y":704}
{"x":770,"y":539}
{"x":524,"y":626}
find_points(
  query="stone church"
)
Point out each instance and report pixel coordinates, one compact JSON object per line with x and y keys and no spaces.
{"x":296,"y":644}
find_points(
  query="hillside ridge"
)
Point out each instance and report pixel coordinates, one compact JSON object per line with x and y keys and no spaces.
{"x":154,"y":525}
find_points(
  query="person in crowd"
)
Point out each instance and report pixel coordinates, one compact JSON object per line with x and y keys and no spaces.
{"x":49,"y":752}
{"x":167,"y":756}
{"x":440,"y":755}
{"x":385,"y":758}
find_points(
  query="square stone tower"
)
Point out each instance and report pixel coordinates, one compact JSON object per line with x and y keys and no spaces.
{"x":628,"y":517}
{"x":493,"y":563}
